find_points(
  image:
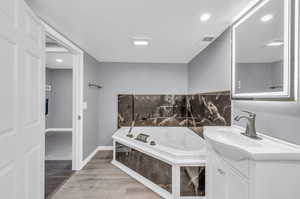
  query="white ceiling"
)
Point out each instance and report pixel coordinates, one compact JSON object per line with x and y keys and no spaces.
{"x":52,"y":63}
{"x":253,"y":35}
{"x":104,"y":28}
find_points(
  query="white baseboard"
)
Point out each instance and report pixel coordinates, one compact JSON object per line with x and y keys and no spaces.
{"x":87,"y":159}
{"x":99,"y":148}
{"x":105,"y":148}
{"x":64,"y":130}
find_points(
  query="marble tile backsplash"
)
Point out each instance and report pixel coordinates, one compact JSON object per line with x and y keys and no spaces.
{"x":194,"y":111}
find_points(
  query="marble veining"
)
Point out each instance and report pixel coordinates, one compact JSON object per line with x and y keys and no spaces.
{"x":209,"y":109}
{"x":192,"y":181}
{"x":194,"y":111}
{"x":151,"y":168}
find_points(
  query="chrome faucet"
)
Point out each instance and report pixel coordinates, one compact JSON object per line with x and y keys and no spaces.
{"x":129,"y":134}
{"x":250,"y":128}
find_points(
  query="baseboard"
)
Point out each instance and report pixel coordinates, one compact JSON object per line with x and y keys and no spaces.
{"x":87,"y":159}
{"x":64,"y":130}
{"x":105,"y":148}
{"x":99,"y":148}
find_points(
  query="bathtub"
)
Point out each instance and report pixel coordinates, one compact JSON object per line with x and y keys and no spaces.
{"x":173,"y":168}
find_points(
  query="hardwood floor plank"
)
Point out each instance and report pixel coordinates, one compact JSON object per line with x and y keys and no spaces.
{"x":99,"y":179}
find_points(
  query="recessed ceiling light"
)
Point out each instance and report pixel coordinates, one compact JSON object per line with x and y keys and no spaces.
{"x":59,"y":60}
{"x":141,"y":41}
{"x":266,"y":18}
{"x":205,"y":17}
{"x":275,"y":44}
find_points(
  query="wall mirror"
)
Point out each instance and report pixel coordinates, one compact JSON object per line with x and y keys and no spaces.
{"x":264,"y":49}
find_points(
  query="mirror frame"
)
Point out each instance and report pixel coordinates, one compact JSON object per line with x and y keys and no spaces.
{"x":290,"y":62}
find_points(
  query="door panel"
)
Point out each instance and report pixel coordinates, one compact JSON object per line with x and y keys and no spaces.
{"x":31,"y":87}
{"x":7,"y":183}
{"x":7,"y":8}
{"x":8,"y":85}
{"x":32,"y":27}
{"x":33,"y":177}
{"x":21,"y":102}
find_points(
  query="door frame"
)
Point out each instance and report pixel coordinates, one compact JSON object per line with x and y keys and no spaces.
{"x":77,"y":111}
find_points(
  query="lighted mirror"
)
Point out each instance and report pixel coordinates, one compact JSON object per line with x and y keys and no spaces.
{"x":263,"y":49}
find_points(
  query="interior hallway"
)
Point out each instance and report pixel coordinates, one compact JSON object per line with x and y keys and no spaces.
{"x":101,"y":180}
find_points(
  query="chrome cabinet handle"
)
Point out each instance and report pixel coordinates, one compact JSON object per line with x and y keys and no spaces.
{"x":221,"y":171}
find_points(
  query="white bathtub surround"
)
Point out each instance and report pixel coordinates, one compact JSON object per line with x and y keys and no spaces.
{"x":241,"y":167}
{"x":176,"y":146}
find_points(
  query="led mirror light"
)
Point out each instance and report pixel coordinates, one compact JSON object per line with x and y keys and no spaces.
{"x":275,"y":44}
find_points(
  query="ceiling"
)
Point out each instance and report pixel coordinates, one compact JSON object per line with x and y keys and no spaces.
{"x":251,"y":48}
{"x":105,"y":28}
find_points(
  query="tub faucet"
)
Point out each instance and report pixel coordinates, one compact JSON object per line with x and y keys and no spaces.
{"x":129,"y":134}
{"x":250,"y":128}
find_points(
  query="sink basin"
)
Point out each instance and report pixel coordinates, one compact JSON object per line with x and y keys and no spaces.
{"x":229,"y":142}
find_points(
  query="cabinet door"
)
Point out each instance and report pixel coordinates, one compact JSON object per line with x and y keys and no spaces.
{"x":224,"y":182}
{"x":237,"y":185}
{"x":217,"y":179}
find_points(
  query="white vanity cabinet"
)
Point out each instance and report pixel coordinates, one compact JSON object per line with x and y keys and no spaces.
{"x":225,"y":182}
{"x":242,"y":168}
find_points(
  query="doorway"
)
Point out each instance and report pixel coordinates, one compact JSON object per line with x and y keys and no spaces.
{"x":59,"y":100}
{"x":63,"y":109}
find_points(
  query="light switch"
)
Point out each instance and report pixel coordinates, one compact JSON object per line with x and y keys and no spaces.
{"x":84,"y":105}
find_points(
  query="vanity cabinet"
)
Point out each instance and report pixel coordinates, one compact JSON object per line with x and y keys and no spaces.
{"x":225,"y":182}
{"x":276,"y":177}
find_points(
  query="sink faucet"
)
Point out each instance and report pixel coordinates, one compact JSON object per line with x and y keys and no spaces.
{"x":250,"y":128}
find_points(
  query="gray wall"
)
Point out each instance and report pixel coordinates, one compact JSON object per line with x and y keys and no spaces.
{"x":91,"y":117}
{"x":266,"y":76}
{"x":210,"y":70}
{"x":134,"y":78}
{"x":60,"y":108}
{"x":278,"y":119}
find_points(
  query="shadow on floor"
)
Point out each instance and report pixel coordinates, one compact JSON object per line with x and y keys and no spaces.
{"x":57,"y":172}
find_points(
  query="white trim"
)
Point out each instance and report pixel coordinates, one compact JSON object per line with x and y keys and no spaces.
{"x":87,"y":159}
{"x":296,"y":53}
{"x":99,"y":148}
{"x":286,"y":93}
{"x":59,"y":67}
{"x":105,"y":148}
{"x":165,"y":194}
{"x":59,"y":130}
{"x":245,"y":10}
{"x":77,"y":138}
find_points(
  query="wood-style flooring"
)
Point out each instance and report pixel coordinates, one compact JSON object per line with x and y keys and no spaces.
{"x":101,"y":180}
{"x":56,"y":173}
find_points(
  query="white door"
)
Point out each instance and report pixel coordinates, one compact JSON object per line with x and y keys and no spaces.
{"x":22,"y":74}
